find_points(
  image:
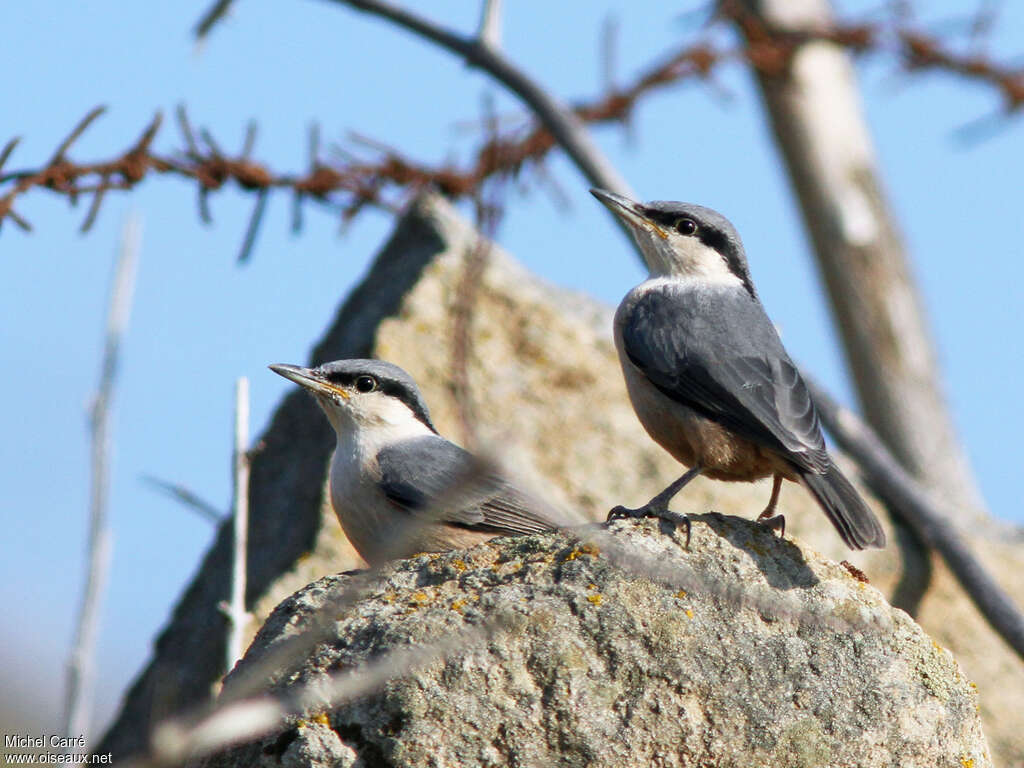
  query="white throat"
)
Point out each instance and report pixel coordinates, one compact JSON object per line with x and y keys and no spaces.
{"x":688,"y":257}
{"x":362,"y":432}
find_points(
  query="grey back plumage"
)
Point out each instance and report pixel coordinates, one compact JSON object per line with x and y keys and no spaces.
{"x":416,"y":472}
{"x":715,"y":350}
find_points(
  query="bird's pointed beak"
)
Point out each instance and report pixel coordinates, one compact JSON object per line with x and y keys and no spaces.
{"x":308,"y":378}
{"x":628,"y":210}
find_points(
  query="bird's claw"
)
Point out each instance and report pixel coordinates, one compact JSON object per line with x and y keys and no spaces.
{"x":625,"y":513}
{"x":621,"y":513}
{"x":775,"y":523}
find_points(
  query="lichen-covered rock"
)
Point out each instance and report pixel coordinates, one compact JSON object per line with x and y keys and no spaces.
{"x":619,"y":647}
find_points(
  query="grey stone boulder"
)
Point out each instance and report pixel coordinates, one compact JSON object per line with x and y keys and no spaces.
{"x":619,"y":647}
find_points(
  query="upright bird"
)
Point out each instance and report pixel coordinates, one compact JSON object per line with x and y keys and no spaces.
{"x":391,"y":468}
{"x":707,"y":374}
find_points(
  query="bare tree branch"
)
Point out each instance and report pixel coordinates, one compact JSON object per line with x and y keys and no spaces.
{"x":904,"y":495}
{"x":81,"y":671}
{"x":819,"y":127}
{"x":235,"y":610}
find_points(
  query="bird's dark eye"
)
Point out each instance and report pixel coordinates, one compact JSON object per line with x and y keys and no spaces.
{"x":366,"y":384}
{"x":686,"y":226}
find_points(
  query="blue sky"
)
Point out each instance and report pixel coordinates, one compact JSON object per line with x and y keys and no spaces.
{"x":200,"y":320}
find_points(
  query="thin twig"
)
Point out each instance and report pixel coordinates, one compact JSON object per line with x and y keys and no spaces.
{"x":490,"y":24}
{"x":255,"y":219}
{"x":9,"y":147}
{"x":76,"y":133}
{"x":900,"y":492}
{"x":190,"y":499}
{"x":215,"y":14}
{"x":609,"y":52}
{"x":81,"y":664}
{"x":237,"y":615}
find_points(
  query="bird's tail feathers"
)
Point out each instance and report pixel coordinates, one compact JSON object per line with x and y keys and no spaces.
{"x":857,"y":525}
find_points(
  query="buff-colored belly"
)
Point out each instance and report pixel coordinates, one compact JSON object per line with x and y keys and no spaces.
{"x":692,"y":438}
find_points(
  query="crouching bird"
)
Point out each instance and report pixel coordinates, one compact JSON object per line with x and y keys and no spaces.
{"x":708,"y":376}
{"x":397,"y":486}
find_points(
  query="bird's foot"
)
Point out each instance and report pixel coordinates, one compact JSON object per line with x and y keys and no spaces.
{"x":769,"y":519}
{"x":648,"y":510}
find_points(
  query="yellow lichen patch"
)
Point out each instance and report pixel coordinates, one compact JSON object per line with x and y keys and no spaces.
{"x":681,"y":594}
{"x":967,"y":762}
{"x":689,"y":613}
{"x":419,"y":598}
{"x":584,"y":549}
{"x":592,"y":586}
{"x":459,"y":565}
{"x":388,"y":597}
{"x":322,"y":719}
{"x":938,"y":647}
{"x":457,"y":605}
{"x":595,"y":599}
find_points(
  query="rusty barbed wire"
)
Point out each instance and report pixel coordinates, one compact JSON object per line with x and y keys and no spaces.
{"x":347,"y":183}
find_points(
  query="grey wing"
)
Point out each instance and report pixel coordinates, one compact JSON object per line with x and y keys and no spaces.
{"x":416,"y":472}
{"x":719,"y":354}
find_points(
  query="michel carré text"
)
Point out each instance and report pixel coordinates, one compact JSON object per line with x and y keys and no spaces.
{"x":24,"y":741}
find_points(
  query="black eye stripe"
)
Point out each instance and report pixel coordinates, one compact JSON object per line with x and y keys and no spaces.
{"x":342,"y":378}
{"x":661,"y":218}
{"x":673,"y":221}
{"x":389,"y":387}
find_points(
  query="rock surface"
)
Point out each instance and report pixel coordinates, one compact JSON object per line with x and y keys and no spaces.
{"x":547,"y":389}
{"x":742,"y":653}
